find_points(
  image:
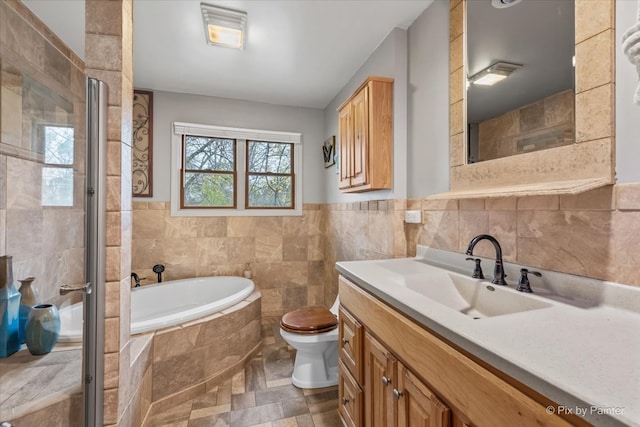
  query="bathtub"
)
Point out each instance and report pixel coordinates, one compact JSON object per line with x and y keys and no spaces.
{"x":168,"y":303}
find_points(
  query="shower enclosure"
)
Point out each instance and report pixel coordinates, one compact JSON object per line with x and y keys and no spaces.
{"x":52,"y":215}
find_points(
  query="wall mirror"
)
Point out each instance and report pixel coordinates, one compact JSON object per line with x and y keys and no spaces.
{"x":585,"y":163}
{"x":531,"y":108}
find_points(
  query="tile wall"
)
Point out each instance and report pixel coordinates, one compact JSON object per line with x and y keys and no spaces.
{"x":286,"y":253}
{"x":109,"y":57}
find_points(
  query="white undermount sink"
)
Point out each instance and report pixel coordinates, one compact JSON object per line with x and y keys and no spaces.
{"x":473,"y":297}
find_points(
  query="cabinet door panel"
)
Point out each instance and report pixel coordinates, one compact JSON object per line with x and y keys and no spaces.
{"x":349,"y":398}
{"x":350,"y":343}
{"x":345,"y":145}
{"x":360,"y":162}
{"x":417,"y":405}
{"x":379,"y":377}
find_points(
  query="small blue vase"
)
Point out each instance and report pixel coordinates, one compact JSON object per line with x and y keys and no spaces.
{"x":9,"y":309}
{"x":42,"y":329}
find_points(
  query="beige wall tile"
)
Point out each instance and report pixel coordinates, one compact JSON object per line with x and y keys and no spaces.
{"x":594,"y":62}
{"x":626,"y":237}
{"x":456,"y":118}
{"x":594,"y":118}
{"x":456,"y":27}
{"x":103,"y":52}
{"x":295,"y":248}
{"x":241,"y":226}
{"x":458,"y":148}
{"x":112,"y":22}
{"x":440,"y":230}
{"x":473,"y":223}
{"x":503,"y":226}
{"x":538,"y":203}
{"x":572,"y":242}
{"x":600,"y":199}
{"x":112,"y":335}
{"x":500,"y":204}
{"x":628,"y":196}
{"x":472,"y":204}
{"x":593,"y":17}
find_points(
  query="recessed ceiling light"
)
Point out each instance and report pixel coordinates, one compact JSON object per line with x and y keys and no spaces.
{"x":223,"y":26}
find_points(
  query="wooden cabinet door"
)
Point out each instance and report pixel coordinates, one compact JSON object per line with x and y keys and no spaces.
{"x":350,"y":334}
{"x":417,"y":405}
{"x":379,"y":377}
{"x":349,"y":398}
{"x":345,"y":145}
{"x":360,"y":162}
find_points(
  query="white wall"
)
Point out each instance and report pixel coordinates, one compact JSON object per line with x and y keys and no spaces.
{"x":627,"y":114}
{"x":428,"y":100}
{"x":169,"y":107}
{"x":388,"y":60}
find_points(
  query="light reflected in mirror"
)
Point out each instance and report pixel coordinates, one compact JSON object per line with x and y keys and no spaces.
{"x":534,"y":107}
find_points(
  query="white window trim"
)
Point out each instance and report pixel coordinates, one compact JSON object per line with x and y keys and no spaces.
{"x":241,"y":136}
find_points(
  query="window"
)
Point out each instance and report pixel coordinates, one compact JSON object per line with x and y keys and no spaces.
{"x":270,"y":175}
{"x":209,"y":172}
{"x":57,"y":172}
{"x":232,"y":171}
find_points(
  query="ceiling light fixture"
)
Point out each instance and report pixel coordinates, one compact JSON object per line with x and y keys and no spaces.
{"x":501,"y":4}
{"x":493,"y":74}
{"x":223,"y":26}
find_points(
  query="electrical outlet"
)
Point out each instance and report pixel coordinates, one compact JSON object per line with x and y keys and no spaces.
{"x":413,"y":217}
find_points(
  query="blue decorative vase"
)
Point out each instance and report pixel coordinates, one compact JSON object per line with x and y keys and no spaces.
{"x":42,"y":329}
{"x":9,"y":309}
{"x":29,"y":299}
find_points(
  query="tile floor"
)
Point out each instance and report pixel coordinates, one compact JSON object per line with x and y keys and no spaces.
{"x":261,"y":395}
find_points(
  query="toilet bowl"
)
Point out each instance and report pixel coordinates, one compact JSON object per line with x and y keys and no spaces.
{"x":313,"y":332}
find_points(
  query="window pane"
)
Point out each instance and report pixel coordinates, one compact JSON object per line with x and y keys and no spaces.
{"x":269,"y":157}
{"x":270,"y":191}
{"x":202,"y":153}
{"x":58,"y":145}
{"x":57,"y":187}
{"x":208,"y":189}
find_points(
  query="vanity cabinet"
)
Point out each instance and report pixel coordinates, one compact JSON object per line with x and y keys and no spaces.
{"x":388,"y":392}
{"x":410,"y":376}
{"x":365,"y":123}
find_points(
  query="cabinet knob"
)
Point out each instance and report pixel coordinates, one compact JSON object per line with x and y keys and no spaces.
{"x":345,"y":341}
{"x":345,"y":400}
{"x":385,"y":381}
{"x":397,"y":394}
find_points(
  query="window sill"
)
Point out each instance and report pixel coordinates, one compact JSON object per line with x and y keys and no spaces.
{"x":234,"y":212}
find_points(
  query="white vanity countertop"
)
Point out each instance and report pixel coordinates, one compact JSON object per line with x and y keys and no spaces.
{"x":582,"y":352}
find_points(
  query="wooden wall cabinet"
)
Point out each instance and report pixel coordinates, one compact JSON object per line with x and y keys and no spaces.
{"x":410,"y":377}
{"x":365,"y":123}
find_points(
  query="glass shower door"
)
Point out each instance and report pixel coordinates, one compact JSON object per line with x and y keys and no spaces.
{"x":44,"y":208}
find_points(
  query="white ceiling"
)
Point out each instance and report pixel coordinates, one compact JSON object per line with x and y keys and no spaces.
{"x":298,"y":52}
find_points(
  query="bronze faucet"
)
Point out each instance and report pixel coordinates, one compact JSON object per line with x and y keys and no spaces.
{"x":498,"y":271}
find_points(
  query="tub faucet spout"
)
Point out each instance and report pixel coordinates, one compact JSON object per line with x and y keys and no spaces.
{"x":498,"y":271}
{"x":136,"y":279}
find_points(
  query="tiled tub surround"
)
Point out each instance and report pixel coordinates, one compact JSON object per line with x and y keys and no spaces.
{"x":286,"y":253}
{"x":579,"y":349}
{"x":192,"y":358}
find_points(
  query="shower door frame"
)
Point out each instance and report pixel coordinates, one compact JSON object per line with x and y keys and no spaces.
{"x":94,"y":300}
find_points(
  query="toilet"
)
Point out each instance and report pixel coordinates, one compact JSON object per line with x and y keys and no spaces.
{"x":313,"y":332}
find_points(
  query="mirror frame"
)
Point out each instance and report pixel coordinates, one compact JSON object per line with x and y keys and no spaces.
{"x":586,"y":164}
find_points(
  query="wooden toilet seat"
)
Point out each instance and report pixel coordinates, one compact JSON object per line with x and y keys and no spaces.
{"x":312,"y":320}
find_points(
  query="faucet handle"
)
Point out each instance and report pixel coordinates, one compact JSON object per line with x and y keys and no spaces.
{"x":477,"y":272}
{"x":523,"y":283}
